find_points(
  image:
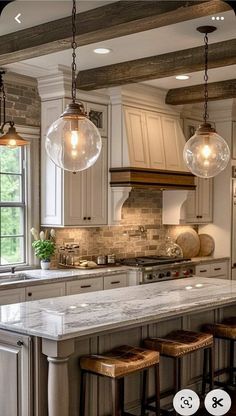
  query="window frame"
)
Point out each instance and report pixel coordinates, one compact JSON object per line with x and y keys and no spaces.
{"x":30,"y":192}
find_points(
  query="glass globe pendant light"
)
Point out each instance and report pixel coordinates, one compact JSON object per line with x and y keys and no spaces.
{"x":206,"y":153}
{"x":11,"y":138}
{"x":73,"y":142}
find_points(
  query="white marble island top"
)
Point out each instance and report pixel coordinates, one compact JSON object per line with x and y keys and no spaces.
{"x":84,"y":314}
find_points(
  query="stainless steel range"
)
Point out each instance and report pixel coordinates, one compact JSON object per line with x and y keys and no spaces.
{"x":155,"y":268}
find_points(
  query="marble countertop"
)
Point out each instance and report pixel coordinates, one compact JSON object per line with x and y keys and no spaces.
{"x":52,"y":276}
{"x":86,"y":314}
{"x":38,"y":276}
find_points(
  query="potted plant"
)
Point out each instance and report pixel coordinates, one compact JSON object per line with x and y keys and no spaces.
{"x":44,"y":247}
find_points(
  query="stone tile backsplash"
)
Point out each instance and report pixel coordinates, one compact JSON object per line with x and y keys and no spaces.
{"x":143,"y":208}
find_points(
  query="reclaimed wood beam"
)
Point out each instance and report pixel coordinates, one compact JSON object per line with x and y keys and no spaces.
{"x":161,"y":66}
{"x":195,"y":94}
{"x":107,"y":22}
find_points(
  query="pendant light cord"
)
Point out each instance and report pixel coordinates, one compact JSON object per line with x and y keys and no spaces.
{"x":74,"y":46}
{"x":206,"y":115}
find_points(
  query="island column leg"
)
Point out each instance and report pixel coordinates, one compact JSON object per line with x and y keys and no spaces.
{"x":58,"y":355}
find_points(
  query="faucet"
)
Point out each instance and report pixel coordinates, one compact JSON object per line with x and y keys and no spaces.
{"x":13,"y":268}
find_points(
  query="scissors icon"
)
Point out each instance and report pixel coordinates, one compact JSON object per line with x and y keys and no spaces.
{"x":217,"y":402}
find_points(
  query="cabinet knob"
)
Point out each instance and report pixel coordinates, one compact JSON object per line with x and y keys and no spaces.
{"x":89,"y":218}
{"x":20,"y":343}
{"x":29,"y":294}
{"x":85,"y":218}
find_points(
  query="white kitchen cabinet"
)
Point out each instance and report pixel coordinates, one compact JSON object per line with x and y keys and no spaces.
{"x":50,"y":290}
{"x":92,"y":284}
{"x":68,"y":198}
{"x":219,"y":270}
{"x":15,"y":375}
{"x":155,"y":141}
{"x":85,"y":194}
{"x":12,"y":296}
{"x":115,"y":281}
{"x":199,"y":206}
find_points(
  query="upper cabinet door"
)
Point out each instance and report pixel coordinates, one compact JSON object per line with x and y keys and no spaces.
{"x":155,"y":141}
{"x":51,"y":175}
{"x":174,"y":142}
{"x":97,"y":113}
{"x":137,"y":137}
{"x":97,"y":189}
{"x":204,"y":200}
{"x":75,"y":198}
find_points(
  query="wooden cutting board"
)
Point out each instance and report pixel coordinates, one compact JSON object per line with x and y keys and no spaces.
{"x":189,"y":242}
{"x":207,"y":245}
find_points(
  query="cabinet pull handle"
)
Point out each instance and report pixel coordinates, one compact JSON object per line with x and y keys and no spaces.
{"x":115,"y":282}
{"x":217,"y":268}
{"x":20,"y":343}
{"x":29,"y":294}
{"x":85,"y":286}
{"x":202,"y":271}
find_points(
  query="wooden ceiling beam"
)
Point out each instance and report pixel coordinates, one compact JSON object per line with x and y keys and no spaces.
{"x":107,"y":22}
{"x":161,"y":66}
{"x":195,"y":94}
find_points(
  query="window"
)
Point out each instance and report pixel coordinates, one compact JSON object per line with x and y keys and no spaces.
{"x":12,"y":206}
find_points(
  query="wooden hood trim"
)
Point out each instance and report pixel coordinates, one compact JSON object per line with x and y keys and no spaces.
{"x":151,"y":178}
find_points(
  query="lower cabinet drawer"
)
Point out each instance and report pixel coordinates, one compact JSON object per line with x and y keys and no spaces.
{"x":203,"y":270}
{"x":84,"y":285}
{"x":219,"y":269}
{"x":115,"y":281}
{"x":46,"y":291}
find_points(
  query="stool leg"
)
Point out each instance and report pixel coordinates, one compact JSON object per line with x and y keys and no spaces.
{"x":211,"y":367}
{"x":144,"y":393}
{"x":177,"y":374}
{"x":116,"y":397}
{"x":204,"y":373}
{"x":231,"y":363}
{"x":82,"y":393}
{"x":157,"y":389}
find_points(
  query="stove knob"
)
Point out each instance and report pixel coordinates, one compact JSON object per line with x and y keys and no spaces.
{"x":161,"y":275}
{"x":175,"y":274}
{"x":149,"y":276}
{"x":168,"y":274}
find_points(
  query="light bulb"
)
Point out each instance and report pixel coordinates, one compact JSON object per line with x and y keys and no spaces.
{"x":12,"y":143}
{"x":73,"y":142}
{"x":206,"y":153}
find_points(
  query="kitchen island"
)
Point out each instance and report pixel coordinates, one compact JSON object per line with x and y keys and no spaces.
{"x":50,"y":336}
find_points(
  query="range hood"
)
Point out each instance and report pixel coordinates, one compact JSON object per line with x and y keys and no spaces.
{"x":146,"y":143}
{"x":151,"y":178}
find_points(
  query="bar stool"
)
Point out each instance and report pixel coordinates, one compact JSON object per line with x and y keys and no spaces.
{"x":225,"y":330}
{"x":178,"y":344}
{"x":116,"y":364}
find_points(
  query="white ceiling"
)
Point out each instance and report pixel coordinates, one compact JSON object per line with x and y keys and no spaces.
{"x":153,"y":42}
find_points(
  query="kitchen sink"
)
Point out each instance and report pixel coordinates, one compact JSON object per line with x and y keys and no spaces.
{"x":12,"y":278}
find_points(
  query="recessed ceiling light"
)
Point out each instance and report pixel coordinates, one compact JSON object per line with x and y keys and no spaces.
{"x":182,"y":77}
{"x":102,"y":51}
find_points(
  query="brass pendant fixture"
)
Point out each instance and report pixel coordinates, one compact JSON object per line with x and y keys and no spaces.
{"x":206,"y":153}
{"x":11,"y":138}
